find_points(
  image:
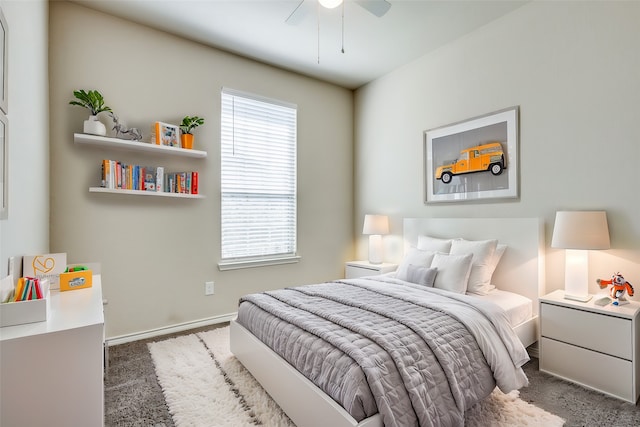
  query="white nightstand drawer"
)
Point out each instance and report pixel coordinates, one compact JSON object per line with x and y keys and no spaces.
{"x":355,"y":269}
{"x":606,"y":334}
{"x":352,"y":272}
{"x":589,"y":368}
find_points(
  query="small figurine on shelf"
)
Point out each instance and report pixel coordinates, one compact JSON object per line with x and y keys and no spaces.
{"x":619,"y":287}
{"x":123,"y":132}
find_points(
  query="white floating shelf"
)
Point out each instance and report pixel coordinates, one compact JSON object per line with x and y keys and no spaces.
{"x":145,"y":193}
{"x":123,"y":144}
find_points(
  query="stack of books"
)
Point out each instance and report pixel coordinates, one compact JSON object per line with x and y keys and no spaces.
{"x":28,"y":289}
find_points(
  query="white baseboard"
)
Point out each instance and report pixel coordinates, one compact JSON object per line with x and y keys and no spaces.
{"x":172,"y":329}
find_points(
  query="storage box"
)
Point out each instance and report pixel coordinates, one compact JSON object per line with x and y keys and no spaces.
{"x":75,"y":280}
{"x":17,"y":313}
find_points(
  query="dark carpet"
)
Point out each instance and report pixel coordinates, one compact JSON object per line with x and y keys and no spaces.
{"x":576,"y":404}
{"x":134,"y":398}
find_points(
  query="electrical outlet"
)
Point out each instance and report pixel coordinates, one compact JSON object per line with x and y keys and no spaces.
{"x":208,"y":288}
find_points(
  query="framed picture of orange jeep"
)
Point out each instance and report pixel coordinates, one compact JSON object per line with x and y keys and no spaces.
{"x":472,"y":160}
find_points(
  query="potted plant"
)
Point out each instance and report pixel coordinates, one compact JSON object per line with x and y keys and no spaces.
{"x":94,"y":102}
{"x":187,"y":126}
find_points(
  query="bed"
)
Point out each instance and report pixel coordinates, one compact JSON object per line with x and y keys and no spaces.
{"x":519,"y":271}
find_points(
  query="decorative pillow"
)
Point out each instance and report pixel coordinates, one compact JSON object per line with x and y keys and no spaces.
{"x":428,"y":243}
{"x":415,"y":257}
{"x":420,"y":275}
{"x":481,"y":268}
{"x":453,"y":272}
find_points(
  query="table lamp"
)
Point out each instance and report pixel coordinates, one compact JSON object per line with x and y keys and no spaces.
{"x":375,"y":226}
{"x":578,"y":232}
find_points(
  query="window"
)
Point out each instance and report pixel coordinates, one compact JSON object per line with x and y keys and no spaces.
{"x":258,"y":181}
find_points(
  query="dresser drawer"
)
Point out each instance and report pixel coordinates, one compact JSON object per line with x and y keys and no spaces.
{"x":592,"y":369}
{"x":606,"y":334}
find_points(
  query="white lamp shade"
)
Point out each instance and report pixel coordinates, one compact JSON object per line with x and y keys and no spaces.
{"x":376,"y":224}
{"x":578,"y":232}
{"x":581,"y":230}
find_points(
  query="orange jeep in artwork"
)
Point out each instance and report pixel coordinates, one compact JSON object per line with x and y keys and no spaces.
{"x":485,"y":157}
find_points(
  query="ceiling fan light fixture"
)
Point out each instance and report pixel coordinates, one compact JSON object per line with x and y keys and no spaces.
{"x":330,"y":4}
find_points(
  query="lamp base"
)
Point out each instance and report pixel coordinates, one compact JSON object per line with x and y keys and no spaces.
{"x":375,"y":249}
{"x":581,"y":298}
{"x":576,"y":276}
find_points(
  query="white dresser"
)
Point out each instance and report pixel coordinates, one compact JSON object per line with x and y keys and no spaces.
{"x":595,"y":346}
{"x":52,"y":371}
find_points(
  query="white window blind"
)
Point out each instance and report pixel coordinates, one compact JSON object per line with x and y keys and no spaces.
{"x":258,"y":178}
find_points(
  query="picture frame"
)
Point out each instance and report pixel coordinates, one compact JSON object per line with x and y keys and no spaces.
{"x":4,"y":44}
{"x":472,"y":160}
{"x":4,"y":164}
{"x":167,"y":134}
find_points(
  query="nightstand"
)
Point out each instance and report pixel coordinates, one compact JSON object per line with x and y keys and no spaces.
{"x":597,"y":347}
{"x":355,"y":269}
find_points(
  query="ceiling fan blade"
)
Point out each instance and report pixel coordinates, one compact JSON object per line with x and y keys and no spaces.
{"x":377,"y":7}
{"x":298,"y":14}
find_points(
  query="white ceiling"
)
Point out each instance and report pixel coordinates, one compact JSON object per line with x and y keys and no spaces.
{"x":373,"y":45}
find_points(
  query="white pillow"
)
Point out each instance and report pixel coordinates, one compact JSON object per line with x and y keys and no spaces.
{"x":416,"y":257}
{"x":482,"y":264}
{"x":428,"y":243}
{"x":420,"y":275}
{"x":453,"y":272}
{"x":497,"y":256}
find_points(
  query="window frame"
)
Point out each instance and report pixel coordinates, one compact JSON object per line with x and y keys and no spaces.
{"x":233,"y":263}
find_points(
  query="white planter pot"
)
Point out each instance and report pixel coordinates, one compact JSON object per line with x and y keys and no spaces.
{"x":94,"y":126}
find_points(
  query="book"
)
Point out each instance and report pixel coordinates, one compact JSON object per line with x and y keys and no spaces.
{"x":170,"y":183}
{"x":105,"y":174}
{"x":109,"y":178}
{"x":194,"y":182}
{"x":38,"y":289}
{"x":186,"y":179}
{"x":160,"y":178}
{"x":117,"y":167}
{"x":149,"y":178}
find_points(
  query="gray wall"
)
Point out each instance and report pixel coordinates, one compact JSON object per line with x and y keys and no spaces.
{"x":573,"y":68}
{"x":570,"y":66}
{"x":26,"y":231}
{"x":156,"y":253}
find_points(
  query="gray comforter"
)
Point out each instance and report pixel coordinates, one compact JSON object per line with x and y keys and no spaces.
{"x":417,"y":355}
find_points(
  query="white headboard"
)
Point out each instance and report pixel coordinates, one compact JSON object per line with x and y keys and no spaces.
{"x":521,"y":269}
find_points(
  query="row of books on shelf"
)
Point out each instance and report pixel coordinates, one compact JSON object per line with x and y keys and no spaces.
{"x":118,"y":175}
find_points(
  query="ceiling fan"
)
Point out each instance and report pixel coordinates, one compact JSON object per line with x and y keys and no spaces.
{"x":376,"y":7}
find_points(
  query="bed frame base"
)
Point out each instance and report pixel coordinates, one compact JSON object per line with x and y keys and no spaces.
{"x":304,"y":403}
{"x":527,"y":331}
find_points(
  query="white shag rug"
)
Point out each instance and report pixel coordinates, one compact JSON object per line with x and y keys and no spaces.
{"x":205,"y":385}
